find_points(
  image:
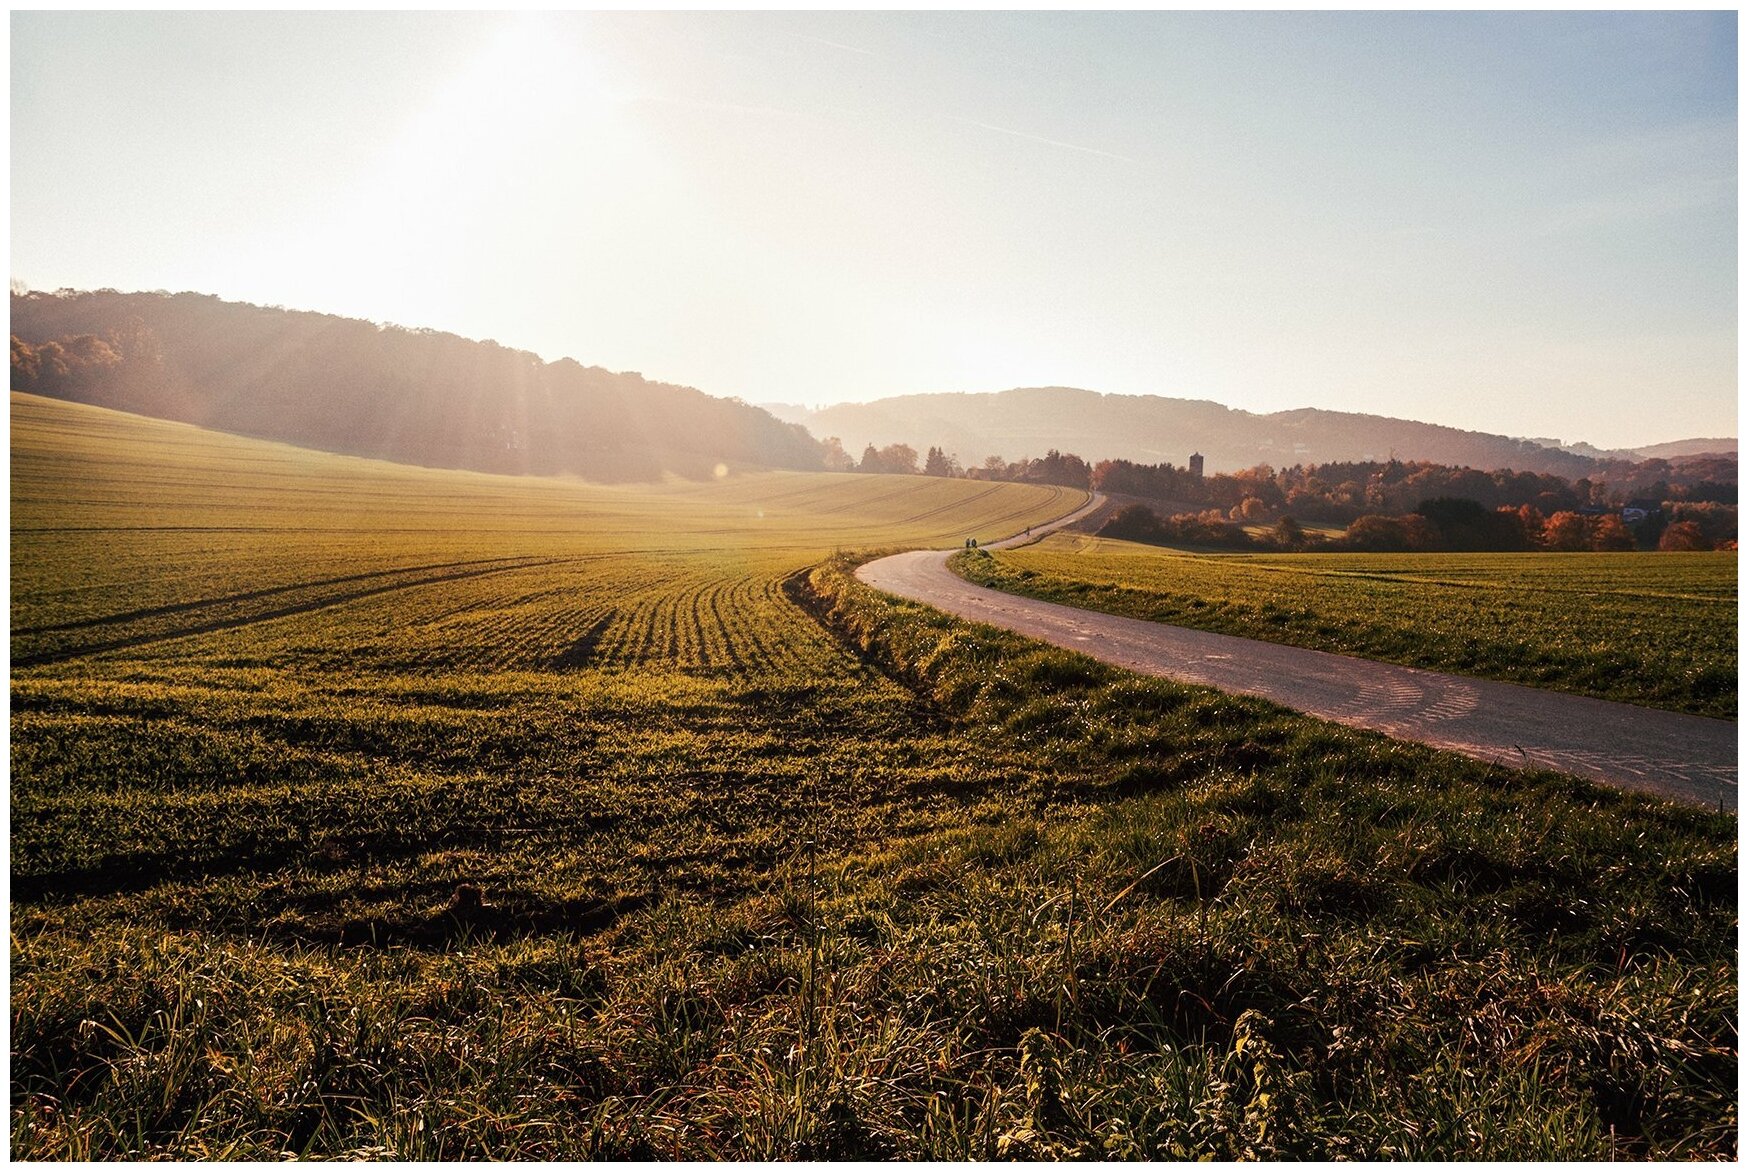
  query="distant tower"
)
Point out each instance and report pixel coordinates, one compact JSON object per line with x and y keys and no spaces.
{"x":1196,"y":465}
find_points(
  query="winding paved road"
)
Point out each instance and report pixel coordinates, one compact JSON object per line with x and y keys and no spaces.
{"x":1673,"y":755}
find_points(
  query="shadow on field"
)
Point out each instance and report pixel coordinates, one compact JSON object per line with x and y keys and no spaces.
{"x":469,"y":915}
{"x":578,"y":654}
{"x":122,"y":875}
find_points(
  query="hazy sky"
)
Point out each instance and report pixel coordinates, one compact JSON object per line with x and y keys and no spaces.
{"x":1522,"y":223}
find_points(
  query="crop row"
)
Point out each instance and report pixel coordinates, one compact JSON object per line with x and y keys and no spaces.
{"x":682,"y":613}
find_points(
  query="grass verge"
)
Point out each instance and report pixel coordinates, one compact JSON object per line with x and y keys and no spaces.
{"x":1652,"y":629}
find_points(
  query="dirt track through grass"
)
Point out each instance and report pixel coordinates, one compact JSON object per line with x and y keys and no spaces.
{"x":1675,"y":755}
{"x":1651,"y":629}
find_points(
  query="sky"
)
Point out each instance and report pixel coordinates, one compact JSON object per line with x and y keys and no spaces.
{"x":1521,"y":223}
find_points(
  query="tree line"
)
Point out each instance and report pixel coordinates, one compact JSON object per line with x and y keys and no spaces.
{"x":1442,"y":525}
{"x":1385,"y":506}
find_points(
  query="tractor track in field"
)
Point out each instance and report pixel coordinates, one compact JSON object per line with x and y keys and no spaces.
{"x":61,"y":655}
{"x":152,"y":612}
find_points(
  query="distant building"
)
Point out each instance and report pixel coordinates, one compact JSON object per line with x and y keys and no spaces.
{"x":1196,"y":465}
{"x":1641,"y":509}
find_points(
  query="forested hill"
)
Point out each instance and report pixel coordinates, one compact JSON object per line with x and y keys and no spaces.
{"x":1151,"y":429}
{"x":414,"y":396}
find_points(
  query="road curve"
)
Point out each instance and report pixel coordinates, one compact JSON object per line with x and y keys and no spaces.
{"x":1670,"y":754}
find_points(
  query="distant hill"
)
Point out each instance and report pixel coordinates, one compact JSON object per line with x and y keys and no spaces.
{"x":1152,"y":429}
{"x":1678,"y":449}
{"x":413,"y":396}
{"x":1674,"y":450}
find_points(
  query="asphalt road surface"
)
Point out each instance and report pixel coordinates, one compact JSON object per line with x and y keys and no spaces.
{"x":1671,"y":754}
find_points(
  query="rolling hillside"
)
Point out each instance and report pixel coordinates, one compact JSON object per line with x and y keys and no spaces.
{"x":1676,"y":449}
{"x":413,"y":396}
{"x":127,"y":529}
{"x":1029,"y":421}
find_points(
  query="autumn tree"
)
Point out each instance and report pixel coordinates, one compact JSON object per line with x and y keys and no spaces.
{"x":900,"y":458}
{"x":1251,"y":508}
{"x":835,"y":458}
{"x":1610,"y":534}
{"x":1716,"y":520}
{"x":1682,"y":536}
{"x":1532,"y":522}
{"x":1566,"y":532}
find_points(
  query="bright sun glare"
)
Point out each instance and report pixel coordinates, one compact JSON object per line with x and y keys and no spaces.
{"x":527,"y":92}
{"x":526,"y":124}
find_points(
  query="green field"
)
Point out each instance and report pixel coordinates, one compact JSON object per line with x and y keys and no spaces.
{"x":369,"y":810}
{"x":1652,"y":629}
